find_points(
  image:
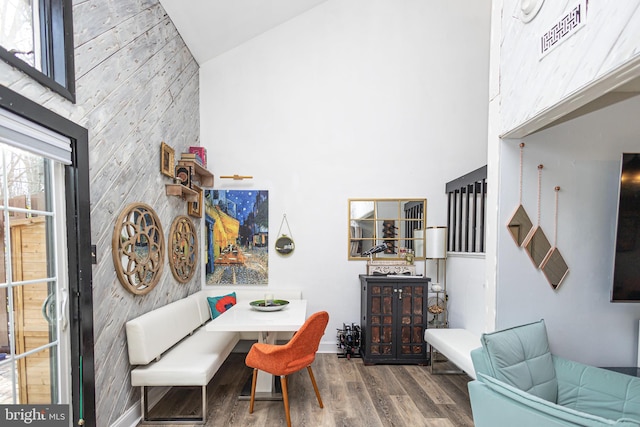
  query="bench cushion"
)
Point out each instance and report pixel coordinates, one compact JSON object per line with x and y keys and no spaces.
{"x":151,"y":334}
{"x":456,"y":344}
{"x":194,"y":361}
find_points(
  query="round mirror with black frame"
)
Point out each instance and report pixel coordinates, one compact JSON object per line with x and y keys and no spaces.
{"x":138,"y":248}
{"x":183,"y":252}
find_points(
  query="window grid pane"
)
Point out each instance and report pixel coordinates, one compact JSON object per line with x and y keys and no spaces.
{"x":28,"y":287}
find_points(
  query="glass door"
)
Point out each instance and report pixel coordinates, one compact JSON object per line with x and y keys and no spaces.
{"x":34,"y":344}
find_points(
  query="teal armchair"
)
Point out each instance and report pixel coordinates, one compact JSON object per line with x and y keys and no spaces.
{"x":520,"y":383}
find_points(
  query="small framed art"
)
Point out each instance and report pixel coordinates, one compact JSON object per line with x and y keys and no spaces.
{"x":195,"y":208}
{"x":167,"y":160}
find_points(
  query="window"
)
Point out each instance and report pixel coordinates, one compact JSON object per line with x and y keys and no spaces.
{"x":67,"y":155}
{"x":467,"y":197}
{"x":36,"y":36}
{"x":31,"y":289}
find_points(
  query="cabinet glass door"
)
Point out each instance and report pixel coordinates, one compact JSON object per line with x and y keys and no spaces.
{"x":411,"y":312}
{"x":381,"y":320}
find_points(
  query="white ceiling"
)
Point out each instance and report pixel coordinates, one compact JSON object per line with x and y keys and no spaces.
{"x":212,"y":27}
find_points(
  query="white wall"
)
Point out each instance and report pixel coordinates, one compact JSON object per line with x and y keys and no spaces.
{"x":466,"y":286}
{"x":352,"y":99}
{"x":581,"y":156}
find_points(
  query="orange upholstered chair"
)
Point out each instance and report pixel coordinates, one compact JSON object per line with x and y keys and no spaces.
{"x":291,"y":357}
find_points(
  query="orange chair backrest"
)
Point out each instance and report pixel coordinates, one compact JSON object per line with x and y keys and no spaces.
{"x":304,"y":344}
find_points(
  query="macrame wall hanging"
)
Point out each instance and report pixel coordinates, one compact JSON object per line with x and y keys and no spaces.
{"x":554,"y":267}
{"x":284,"y":243}
{"x":537,"y":245}
{"x":520,"y":224}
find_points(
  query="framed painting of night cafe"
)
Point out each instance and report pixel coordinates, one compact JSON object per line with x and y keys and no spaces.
{"x":236,"y":237}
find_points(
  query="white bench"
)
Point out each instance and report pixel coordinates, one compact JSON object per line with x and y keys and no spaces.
{"x":169,"y":346}
{"x":456,"y":345}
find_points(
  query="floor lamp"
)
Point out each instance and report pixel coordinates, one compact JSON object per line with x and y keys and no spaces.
{"x":436,"y":249}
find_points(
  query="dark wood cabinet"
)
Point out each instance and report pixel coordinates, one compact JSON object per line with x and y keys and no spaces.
{"x":393,"y":317}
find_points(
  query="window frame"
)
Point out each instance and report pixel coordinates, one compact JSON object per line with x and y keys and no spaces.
{"x":56,"y":39}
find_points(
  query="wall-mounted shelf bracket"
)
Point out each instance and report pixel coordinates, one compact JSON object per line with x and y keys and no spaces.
{"x":181,"y":191}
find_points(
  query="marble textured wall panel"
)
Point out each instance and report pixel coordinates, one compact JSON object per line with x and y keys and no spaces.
{"x":530,"y":83}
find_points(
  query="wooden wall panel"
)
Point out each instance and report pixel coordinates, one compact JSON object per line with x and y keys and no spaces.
{"x":137,"y":85}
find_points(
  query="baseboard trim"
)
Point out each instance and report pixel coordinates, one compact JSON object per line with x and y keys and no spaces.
{"x":130,"y":418}
{"x":133,"y":415}
{"x":328,"y":347}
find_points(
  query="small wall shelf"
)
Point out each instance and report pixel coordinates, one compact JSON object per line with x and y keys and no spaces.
{"x":201,"y":174}
{"x":182,"y":191}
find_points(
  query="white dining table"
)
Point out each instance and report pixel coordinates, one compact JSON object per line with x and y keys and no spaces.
{"x":243,"y":318}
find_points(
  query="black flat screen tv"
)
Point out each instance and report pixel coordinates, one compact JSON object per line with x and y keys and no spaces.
{"x":626,"y":270}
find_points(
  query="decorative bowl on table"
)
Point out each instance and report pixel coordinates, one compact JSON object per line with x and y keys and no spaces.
{"x":275,"y":305}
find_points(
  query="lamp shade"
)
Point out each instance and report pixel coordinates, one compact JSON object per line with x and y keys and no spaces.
{"x":436,"y":246}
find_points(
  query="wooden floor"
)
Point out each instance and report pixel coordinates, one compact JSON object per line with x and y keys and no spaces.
{"x":353,"y":395}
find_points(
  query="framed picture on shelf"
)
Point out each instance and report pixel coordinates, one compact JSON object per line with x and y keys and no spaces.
{"x":184,"y":174}
{"x":195,"y":208}
{"x":167,"y":160}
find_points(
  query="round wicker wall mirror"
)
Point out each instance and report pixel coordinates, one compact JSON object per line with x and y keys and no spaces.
{"x":138,"y":248}
{"x":183,"y":255}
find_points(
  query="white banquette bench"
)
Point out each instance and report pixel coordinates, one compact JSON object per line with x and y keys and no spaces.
{"x":170,"y":347}
{"x":456,"y":345}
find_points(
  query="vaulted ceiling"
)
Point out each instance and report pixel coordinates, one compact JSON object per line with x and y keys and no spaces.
{"x":212,"y":27}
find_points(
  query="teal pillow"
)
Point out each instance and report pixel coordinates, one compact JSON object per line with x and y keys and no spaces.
{"x":520,"y":357}
{"x":220,"y":304}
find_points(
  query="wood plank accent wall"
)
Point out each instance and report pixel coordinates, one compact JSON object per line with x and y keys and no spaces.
{"x":137,"y":85}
